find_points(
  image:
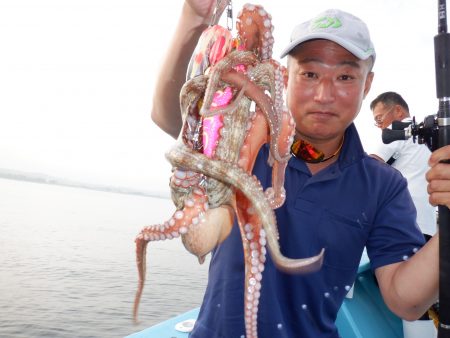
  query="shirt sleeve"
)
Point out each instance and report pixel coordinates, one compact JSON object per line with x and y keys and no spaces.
{"x":386,"y":151}
{"x":395,"y":235}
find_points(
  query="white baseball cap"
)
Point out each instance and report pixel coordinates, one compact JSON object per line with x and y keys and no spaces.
{"x":338,"y":26}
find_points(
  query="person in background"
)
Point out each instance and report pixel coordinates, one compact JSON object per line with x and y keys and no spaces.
{"x":407,"y":156}
{"x":411,"y":159}
{"x":345,"y":202}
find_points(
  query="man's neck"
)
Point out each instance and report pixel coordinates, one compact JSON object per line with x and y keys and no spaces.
{"x":314,"y":168}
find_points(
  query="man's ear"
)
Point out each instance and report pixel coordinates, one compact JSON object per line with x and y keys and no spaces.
{"x":399,"y":113}
{"x":368,"y":83}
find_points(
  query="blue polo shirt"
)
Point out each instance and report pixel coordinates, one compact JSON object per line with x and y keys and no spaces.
{"x":354,"y":203}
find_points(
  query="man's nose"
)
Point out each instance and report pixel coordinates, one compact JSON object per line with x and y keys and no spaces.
{"x":325,"y":91}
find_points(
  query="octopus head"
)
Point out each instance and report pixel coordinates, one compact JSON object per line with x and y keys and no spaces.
{"x":212,"y":229}
{"x":254,"y":27}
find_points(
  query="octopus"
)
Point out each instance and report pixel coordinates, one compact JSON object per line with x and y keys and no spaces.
{"x":232,"y":104}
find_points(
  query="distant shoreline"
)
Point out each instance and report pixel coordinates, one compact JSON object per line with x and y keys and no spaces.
{"x":46,"y":179}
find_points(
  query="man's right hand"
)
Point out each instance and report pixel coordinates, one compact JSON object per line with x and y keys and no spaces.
{"x":204,"y":9}
{"x":438,"y":177}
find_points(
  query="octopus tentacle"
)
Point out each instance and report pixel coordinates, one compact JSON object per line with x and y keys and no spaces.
{"x":190,"y":100}
{"x":178,"y":224}
{"x":279,"y":152}
{"x":252,"y":189}
{"x":277,"y":194}
{"x":254,"y":245}
{"x":280,"y":74}
{"x":280,"y":142}
{"x":225,"y":109}
{"x":273,"y":118}
{"x":230,"y":61}
{"x":182,"y":183}
{"x":191,"y":92}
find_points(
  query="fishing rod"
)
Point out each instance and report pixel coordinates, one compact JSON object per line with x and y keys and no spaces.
{"x":434,"y":131}
{"x":442,"y":64}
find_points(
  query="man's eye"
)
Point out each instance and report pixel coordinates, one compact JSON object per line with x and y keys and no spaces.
{"x":309,"y":75}
{"x":346,"y":77}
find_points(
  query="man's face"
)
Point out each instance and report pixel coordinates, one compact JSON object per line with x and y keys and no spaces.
{"x":384,"y":115}
{"x":326,"y":87}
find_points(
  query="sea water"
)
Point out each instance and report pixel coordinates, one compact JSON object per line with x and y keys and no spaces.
{"x":67,"y":263}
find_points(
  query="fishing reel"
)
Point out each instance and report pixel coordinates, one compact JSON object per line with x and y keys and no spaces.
{"x":425,"y":132}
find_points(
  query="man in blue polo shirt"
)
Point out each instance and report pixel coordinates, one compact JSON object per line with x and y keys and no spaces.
{"x":338,"y":209}
{"x":344,"y":202}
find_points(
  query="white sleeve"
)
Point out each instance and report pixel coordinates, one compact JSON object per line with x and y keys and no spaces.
{"x":385,"y":151}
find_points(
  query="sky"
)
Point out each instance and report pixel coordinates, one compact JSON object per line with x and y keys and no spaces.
{"x":77,"y":77}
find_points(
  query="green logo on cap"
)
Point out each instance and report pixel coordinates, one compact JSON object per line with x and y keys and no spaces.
{"x":327,"y":22}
